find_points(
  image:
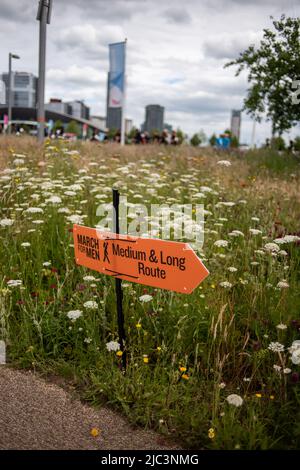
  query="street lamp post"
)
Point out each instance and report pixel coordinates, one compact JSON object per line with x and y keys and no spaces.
{"x":9,"y":95}
{"x":43,"y":16}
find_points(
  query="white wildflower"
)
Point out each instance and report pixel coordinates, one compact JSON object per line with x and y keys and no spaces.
{"x":226,"y":284}
{"x":6,"y":222}
{"x":281,"y":326}
{"x":34,"y":210}
{"x":234,"y":400}
{"x":14,"y":283}
{"x":221,"y":243}
{"x":232,"y":269}
{"x":224,"y":163}
{"x":89,"y":278}
{"x":74,"y":314}
{"x":25,"y":244}
{"x":283,"y":284}
{"x":91,"y":305}
{"x":276,"y":347}
{"x":255,"y":231}
{"x":54,"y":200}
{"x":271,"y":247}
{"x":145,"y":298}
{"x":295,"y":358}
{"x":113,"y":346}
{"x":287,"y":370}
{"x":276,"y":368}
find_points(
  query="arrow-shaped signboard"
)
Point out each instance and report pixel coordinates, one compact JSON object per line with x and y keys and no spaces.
{"x":157,"y":263}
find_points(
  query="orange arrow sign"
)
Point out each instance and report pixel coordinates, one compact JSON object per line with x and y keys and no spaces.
{"x":157,"y":263}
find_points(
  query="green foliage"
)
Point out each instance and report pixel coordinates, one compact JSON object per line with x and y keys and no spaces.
{"x":200,"y":348}
{"x":195,"y":140}
{"x":272,"y":67}
{"x":181,"y":135}
{"x":212,"y":140}
{"x":278,"y":143}
{"x":58,"y":125}
{"x":73,"y":128}
{"x":297,"y":144}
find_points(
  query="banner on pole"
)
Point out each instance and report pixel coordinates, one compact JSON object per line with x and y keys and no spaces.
{"x":116,"y":74}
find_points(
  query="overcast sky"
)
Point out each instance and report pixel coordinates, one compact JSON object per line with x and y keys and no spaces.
{"x":175,"y":55}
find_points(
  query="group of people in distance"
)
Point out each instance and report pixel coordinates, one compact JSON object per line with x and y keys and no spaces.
{"x":142,"y":137}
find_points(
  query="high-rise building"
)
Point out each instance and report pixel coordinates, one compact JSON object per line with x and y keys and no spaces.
{"x":23,"y":87}
{"x":154,"y":119}
{"x":235,"y":126}
{"x":78,"y":109}
{"x":57,"y":105}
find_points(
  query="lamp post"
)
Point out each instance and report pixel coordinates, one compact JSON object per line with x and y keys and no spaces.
{"x":43,"y":16}
{"x":9,"y":97}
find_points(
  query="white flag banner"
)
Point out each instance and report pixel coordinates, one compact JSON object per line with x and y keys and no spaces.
{"x":116,"y":74}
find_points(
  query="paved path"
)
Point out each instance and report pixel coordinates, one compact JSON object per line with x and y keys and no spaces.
{"x":35,"y":414}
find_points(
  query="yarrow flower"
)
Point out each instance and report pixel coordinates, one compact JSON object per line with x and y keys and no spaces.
{"x":271,"y":247}
{"x":283,"y":284}
{"x":234,"y":400}
{"x":226,"y":284}
{"x":281,"y":326}
{"x":73,"y":315}
{"x":287,"y":239}
{"x":113,"y":346}
{"x":6,"y":222}
{"x":221,"y":243}
{"x":54,"y":200}
{"x":276,"y":347}
{"x":255,"y":231}
{"x":145,"y":298}
{"x":91,"y":305}
{"x":14,"y":283}
{"x":224,"y":163}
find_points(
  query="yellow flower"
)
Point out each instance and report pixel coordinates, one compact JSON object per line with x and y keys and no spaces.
{"x":272,"y":397}
{"x":182,"y":369}
{"x":258,"y":395}
{"x":95,"y":432}
{"x":185,"y":376}
{"x":158,"y":348}
{"x":211,"y":433}
{"x":138,"y":325}
{"x":213,"y":286}
{"x":145,"y":359}
{"x":30,"y":349}
{"x":119,"y":353}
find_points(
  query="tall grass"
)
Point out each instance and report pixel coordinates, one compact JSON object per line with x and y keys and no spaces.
{"x":186,"y":354}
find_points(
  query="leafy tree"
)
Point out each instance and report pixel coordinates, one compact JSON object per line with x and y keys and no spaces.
{"x":202,"y":136}
{"x":57,"y":125}
{"x":132,"y":133}
{"x":278,"y":143}
{"x":181,"y":136}
{"x":112,"y":133}
{"x":272,"y":69}
{"x":195,"y":140}
{"x":297,"y":143}
{"x":73,"y":128}
{"x":212,"y":140}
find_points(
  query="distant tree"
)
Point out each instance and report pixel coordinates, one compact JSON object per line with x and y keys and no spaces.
{"x":132,"y":133}
{"x":195,"y":140}
{"x":297,"y":144}
{"x":278,"y":143}
{"x":272,"y":69}
{"x":73,"y":128}
{"x":234,"y":142}
{"x":57,"y":125}
{"x":181,"y":136}
{"x":112,"y":133}
{"x":212,"y":140}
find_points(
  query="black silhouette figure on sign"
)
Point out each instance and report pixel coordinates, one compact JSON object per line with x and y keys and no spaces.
{"x":106,"y":258}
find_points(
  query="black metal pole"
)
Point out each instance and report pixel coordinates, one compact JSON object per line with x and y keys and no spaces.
{"x":119,"y":295}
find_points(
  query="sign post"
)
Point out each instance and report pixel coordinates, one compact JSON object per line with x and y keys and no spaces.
{"x":118,"y":281}
{"x":158,"y":263}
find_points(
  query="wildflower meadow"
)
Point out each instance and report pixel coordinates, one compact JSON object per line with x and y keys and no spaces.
{"x":216,"y":369}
